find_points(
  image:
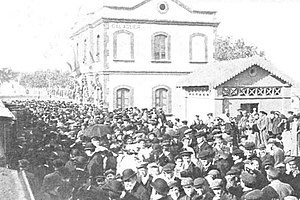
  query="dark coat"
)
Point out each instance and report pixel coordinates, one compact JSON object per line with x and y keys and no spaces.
{"x":148,"y":184}
{"x":95,"y":165}
{"x":140,"y":192}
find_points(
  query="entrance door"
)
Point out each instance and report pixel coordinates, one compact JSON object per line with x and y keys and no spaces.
{"x":249,"y":107}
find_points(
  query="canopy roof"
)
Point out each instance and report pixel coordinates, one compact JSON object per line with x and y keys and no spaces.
{"x":217,"y":73}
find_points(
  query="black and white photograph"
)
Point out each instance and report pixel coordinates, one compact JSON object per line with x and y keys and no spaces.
{"x":150,"y":100}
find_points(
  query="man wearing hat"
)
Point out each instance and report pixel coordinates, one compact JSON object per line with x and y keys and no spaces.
{"x":160,"y":190}
{"x":168,"y":173}
{"x":275,"y":151}
{"x":201,"y":187}
{"x":262,"y":125}
{"x":95,"y":164}
{"x":174,"y":191}
{"x":182,"y":129}
{"x":144,"y":177}
{"x":188,"y":187}
{"x":188,"y":165}
{"x":217,"y":187}
{"x":249,"y":150}
{"x":129,"y":177}
{"x":281,"y":189}
{"x":201,"y":143}
{"x":116,"y":191}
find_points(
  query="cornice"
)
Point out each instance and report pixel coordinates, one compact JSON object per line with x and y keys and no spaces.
{"x":144,"y":21}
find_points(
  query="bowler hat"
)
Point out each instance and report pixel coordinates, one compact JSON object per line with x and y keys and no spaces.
{"x":160,"y":186}
{"x":127,"y":174}
{"x":114,"y":186}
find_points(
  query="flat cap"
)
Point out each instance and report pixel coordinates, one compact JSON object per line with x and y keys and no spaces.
{"x":186,"y":153}
{"x":199,"y":182}
{"x":168,"y":167}
{"x":185,"y":182}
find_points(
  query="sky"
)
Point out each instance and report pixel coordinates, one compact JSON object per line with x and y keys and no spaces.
{"x":35,"y":33}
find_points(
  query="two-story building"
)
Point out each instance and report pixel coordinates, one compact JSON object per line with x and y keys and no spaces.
{"x":132,"y":53}
{"x":159,"y":53}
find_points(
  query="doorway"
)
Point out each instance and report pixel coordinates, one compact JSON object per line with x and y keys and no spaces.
{"x":249,"y":107}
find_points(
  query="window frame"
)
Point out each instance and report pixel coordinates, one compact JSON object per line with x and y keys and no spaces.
{"x":115,"y":46}
{"x":130,"y":95}
{"x":167,"y":58}
{"x":192,"y":60}
{"x":168,"y":97}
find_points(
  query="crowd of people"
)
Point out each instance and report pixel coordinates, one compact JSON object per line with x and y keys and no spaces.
{"x":143,"y":155}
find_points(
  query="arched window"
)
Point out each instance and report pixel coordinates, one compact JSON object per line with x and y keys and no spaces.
{"x":123,"y":45}
{"x":162,"y":98}
{"x":98,"y":47}
{"x":198,"y":47}
{"x":123,"y":97}
{"x":161,"y":46}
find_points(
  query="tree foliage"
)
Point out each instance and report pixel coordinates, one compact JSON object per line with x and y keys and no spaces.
{"x":227,"y":48}
{"x":7,"y":74}
{"x":48,"y":78}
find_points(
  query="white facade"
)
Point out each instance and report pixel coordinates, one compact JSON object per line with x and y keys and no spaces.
{"x":140,"y":51}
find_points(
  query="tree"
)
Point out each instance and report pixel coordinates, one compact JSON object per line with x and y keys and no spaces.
{"x":227,"y":48}
{"x":7,"y":74}
{"x":45,"y":79}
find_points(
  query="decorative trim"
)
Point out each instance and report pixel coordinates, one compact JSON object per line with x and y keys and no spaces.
{"x":175,"y":1}
{"x":169,"y":96}
{"x":143,"y":21}
{"x":144,"y":73}
{"x":115,"y":43}
{"x":131,"y":95}
{"x":256,"y":97}
{"x":166,"y":7}
{"x":205,"y":47}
